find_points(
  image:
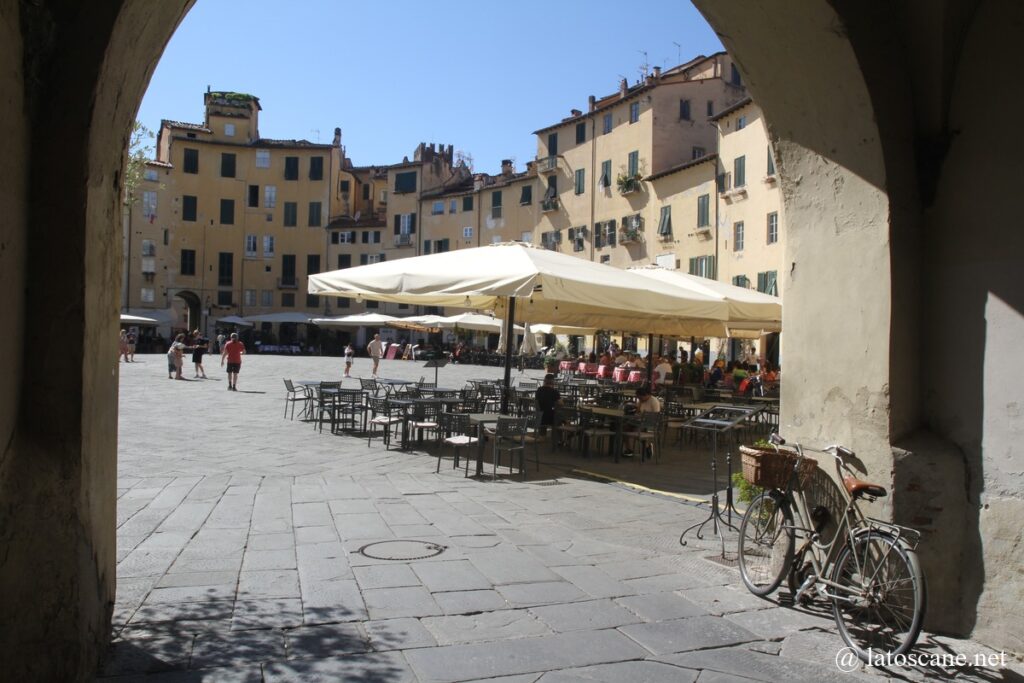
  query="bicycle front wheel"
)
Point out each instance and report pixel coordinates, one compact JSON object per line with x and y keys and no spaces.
{"x":766,"y":544}
{"x":881,"y":605}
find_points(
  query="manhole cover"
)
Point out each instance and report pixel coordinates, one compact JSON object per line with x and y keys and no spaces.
{"x":401,"y":550}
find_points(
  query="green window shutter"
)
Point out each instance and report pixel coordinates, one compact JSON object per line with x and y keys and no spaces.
{"x":363,"y":259}
{"x":405,"y":182}
{"x":426,"y":246}
{"x":496,"y":198}
{"x":467,"y":203}
{"x":527,"y":195}
{"x":634,"y":163}
{"x":606,"y":174}
{"x":412,"y":224}
{"x":580,"y":180}
{"x":703,"y":211}
{"x":291,"y":168}
{"x":316,"y":168}
{"x":665,"y":224}
{"x":693,"y":266}
{"x":398,"y":226}
{"x":739,"y":176}
{"x":771,"y":162}
{"x":552,"y":144}
{"x":227,"y":165}
{"x":191,"y":161}
{"x":189,"y":208}
{"x":227,"y":211}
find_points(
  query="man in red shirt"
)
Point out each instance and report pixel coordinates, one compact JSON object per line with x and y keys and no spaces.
{"x":233,"y":350}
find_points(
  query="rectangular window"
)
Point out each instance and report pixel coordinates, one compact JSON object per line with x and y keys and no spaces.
{"x":496,"y":204}
{"x":249,"y":297}
{"x":580,"y":181}
{"x":149,"y":266}
{"x":167,"y":237}
{"x":453,"y":206}
{"x":268,"y":246}
{"x":440,"y":246}
{"x":606,"y":124}
{"x":227,"y":212}
{"x":254,"y":196}
{"x":711,"y":108}
{"x":224,"y":298}
{"x":312,"y":301}
{"x":229,"y":130}
{"x":704,"y":211}
{"x":734,"y":76}
{"x":189,"y":208}
{"x":773,"y":227}
{"x":684,"y":110}
{"x":147,"y":295}
{"x":149,"y":205}
{"x":665,"y":222}
{"x":188,"y":261}
{"x":314,"y":214}
{"x":609,"y":233}
{"x":191,"y":164}
{"x":467,"y":203}
{"x":263,"y":158}
{"x":437,"y":208}
{"x":366,"y":192}
{"x":741,"y":122}
{"x":270,"y":196}
{"x":316,"y":168}
{"x":291,"y":214}
{"x":251,"y":242}
{"x":467,"y":232}
{"x":771,"y":162}
{"x":552,"y":144}
{"x":606,"y":258}
{"x":698,"y":152}
{"x":225,"y":268}
{"x":291,"y":168}
{"x":344,"y":261}
{"x":581,"y":133}
{"x":150,"y":174}
{"x":288,"y":270}
{"x":287,"y":299}
{"x":312,"y":264}
{"x":148,"y":248}
{"x":343,"y":186}
{"x":634,"y":112}
{"x":741,"y":281}
{"x":739,"y":172}
{"x":405,"y":182}
{"x":576,"y":235}
{"x":606,"y":175}
{"x":703,"y":266}
{"x":267,"y":298}
{"x":227,"y":165}
{"x":633,"y":166}
{"x":722,"y":182}
{"x":526,"y":195}
{"x":737,"y":236}
{"x":767,"y":282}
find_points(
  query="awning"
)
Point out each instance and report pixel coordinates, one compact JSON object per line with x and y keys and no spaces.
{"x":296,"y":317}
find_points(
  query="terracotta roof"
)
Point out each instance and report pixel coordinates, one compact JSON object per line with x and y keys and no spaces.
{"x":269,"y":142}
{"x":188,"y":126}
{"x":157,"y":162}
{"x":682,"y":167}
{"x":735,"y":107}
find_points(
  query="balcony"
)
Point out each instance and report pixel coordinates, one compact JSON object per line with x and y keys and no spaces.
{"x":630,"y":236}
{"x":287,"y":283}
{"x":628,"y":184}
{"x":549,"y":205}
{"x":403,"y":240}
{"x":547,"y":164}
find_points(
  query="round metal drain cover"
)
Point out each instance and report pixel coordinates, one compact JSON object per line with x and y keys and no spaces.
{"x":401,"y":550}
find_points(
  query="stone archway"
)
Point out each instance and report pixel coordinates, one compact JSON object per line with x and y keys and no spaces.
{"x":193,"y":318}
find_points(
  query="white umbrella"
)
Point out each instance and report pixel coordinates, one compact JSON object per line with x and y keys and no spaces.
{"x":563,"y":329}
{"x":137,"y":320}
{"x":417,"y":323}
{"x":234,"y":320}
{"x":474,"y":321}
{"x":290,"y":317}
{"x":529,"y":345}
{"x":357,"y":320}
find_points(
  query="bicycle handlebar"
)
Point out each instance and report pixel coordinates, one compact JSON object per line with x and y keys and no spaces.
{"x":840,"y":453}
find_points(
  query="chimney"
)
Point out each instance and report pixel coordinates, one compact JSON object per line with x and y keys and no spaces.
{"x":575,"y":112}
{"x":478,"y":183}
{"x":657,"y":73}
{"x":623,"y":87}
{"x":337,"y":137}
{"x":592,"y":103}
{"x":506,"y":167}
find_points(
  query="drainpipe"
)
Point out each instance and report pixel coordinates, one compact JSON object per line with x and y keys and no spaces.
{"x":128,"y":275}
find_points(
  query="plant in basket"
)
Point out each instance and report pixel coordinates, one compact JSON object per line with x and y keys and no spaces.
{"x":767,"y":467}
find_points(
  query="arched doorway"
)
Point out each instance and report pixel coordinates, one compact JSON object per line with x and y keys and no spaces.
{"x":189,"y":309}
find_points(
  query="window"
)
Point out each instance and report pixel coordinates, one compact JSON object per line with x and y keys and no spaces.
{"x":467,"y":232}
{"x":270,"y":196}
{"x":467,"y":203}
{"x":249,"y":297}
{"x":147,"y":295}
{"x":148,"y":248}
{"x":773,"y":227}
{"x":698,"y":152}
{"x":741,"y":122}
{"x":665,"y":222}
{"x":291,"y":214}
{"x":604,"y":234}
{"x":722,"y":182}
{"x":684,"y":110}
{"x":771,"y":162}
{"x":405,"y":224}
{"x":496,"y":204}
{"x":227,"y":212}
{"x":734,"y":76}
{"x":704,"y":266}
{"x":580,"y":180}
{"x":739,"y":172}
{"x":224,"y":298}
{"x":576,"y":236}
{"x":191,"y":164}
{"x":526,"y":195}
{"x":149,"y":205}
{"x":347,"y":237}
{"x":703,"y":211}
{"x":288,"y":270}
{"x":549,"y":240}
{"x":268,"y":246}
{"x":581,"y":132}
{"x":227,"y":165}
{"x":188,"y":261}
{"x":366,"y":192}
{"x":767,"y":282}
{"x":405,"y":182}
{"x":229,"y":130}
{"x":606,"y":123}
{"x":254,"y":196}
{"x":437,"y":208}
{"x":188,"y":208}
{"x":343,"y":186}
{"x":287,"y":299}
{"x":316,"y":168}
{"x":737,"y":236}
{"x":251,"y":245}
{"x":314,"y":214}
{"x":291,"y":168}
{"x":634,"y":112}
{"x":453,"y":206}
{"x":148,"y":266}
{"x":372,"y":304}
{"x":267,"y":297}
{"x":441,"y":246}
{"x":225,"y":268}
{"x":606,"y":175}
{"x":150,"y":174}
{"x":711,"y":108}
{"x":167,"y":237}
{"x":633,"y":165}
{"x":606,"y":258}
{"x":344,"y":261}
{"x":263,"y":158}
{"x":741,"y":281}
{"x":552,"y":144}
{"x":526,"y":236}
{"x":312,"y":268}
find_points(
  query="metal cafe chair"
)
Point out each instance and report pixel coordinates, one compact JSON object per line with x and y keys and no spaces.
{"x":509,"y":437}
{"x":385,"y":417}
{"x":295,"y":395}
{"x":458,"y":433}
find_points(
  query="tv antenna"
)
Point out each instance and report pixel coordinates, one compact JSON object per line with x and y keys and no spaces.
{"x":645,"y":66}
{"x":316,"y":132}
{"x":679,"y":52}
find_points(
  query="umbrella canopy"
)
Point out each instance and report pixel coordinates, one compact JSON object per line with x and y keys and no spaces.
{"x":744,"y":305}
{"x":302,"y":318}
{"x":563,"y":329}
{"x":357,"y":320}
{"x":137,"y":320}
{"x":474,"y":321}
{"x":417,"y":323}
{"x":234,"y":320}
{"x":529,"y":345}
{"x":547,"y":284}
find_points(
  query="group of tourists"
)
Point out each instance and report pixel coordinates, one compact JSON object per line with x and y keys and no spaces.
{"x":195,"y":343}
{"x":126,"y":347}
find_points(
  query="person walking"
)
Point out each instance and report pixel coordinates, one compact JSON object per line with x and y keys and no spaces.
{"x":176,"y":357}
{"x":200,"y":345}
{"x":122,"y":347}
{"x":131,"y":346}
{"x":376,"y":350}
{"x":350,"y":355}
{"x":233,"y":351}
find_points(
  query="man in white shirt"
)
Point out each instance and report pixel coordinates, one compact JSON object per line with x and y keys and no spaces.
{"x":376,"y":350}
{"x":663,"y":372}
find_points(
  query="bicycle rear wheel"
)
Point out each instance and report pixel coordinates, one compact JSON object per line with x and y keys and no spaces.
{"x":882,"y":608}
{"x":766,"y":544}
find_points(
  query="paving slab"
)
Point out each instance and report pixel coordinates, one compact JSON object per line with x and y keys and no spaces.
{"x":237,"y":649}
{"x":465,"y":602}
{"x":457,"y":575}
{"x":592,"y":615}
{"x":488,"y":626}
{"x":389,"y":667}
{"x":661,"y":606}
{"x":681,"y":635}
{"x":648,"y":672}
{"x":398,"y":634}
{"x":391,"y":603}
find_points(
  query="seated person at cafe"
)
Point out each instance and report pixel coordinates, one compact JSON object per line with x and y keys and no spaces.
{"x":639,"y":361}
{"x":630,"y":362}
{"x":605,"y":359}
{"x":620,"y":359}
{"x":646,"y":402}
{"x":547,"y":398}
{"x":663,"y":372}
{"x":739,"y":373}
{"x":717,"y":373}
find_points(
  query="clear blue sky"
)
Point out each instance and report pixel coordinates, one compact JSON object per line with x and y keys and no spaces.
{"x":477,"y":75}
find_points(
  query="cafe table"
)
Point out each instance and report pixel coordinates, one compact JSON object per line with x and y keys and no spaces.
{"x":481,"y":420}
{"x":407,"y":404}
{"x":617,"y":416}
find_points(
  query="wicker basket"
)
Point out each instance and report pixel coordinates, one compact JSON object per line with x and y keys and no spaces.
{"x":770,"y":469}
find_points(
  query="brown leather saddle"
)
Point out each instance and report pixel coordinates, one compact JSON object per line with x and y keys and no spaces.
{"x":857,"y":488}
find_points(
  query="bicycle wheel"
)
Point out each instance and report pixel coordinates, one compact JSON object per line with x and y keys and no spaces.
{"x":882,"y":607}
{"x":766,"y":544}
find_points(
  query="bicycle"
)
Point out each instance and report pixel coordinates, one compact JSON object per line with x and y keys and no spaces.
{"x":869,"y":570}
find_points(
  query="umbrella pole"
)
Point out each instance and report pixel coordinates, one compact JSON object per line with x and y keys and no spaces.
{"x":510,"y":316}
{"x":650,"y":358}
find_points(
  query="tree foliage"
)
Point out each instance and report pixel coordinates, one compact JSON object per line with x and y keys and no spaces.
{"x":139,"y":152}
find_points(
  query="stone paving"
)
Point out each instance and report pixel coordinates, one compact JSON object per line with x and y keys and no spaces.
{"x":238,"y":540}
